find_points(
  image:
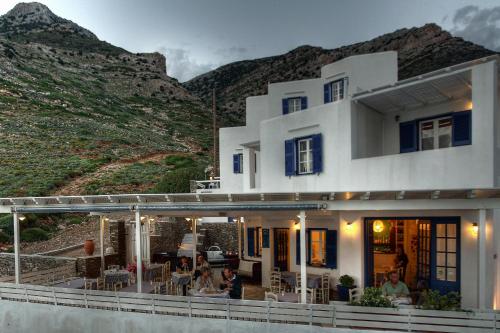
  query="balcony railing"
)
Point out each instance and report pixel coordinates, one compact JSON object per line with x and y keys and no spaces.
{"x":206,"y":186}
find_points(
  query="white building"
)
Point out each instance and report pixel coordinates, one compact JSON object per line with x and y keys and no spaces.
{"x":414,"y":157}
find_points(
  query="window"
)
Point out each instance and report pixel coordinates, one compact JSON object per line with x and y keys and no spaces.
{"x":317,"y":247}
{"x":305,"y":155}
{"x":238,"y":163}
{"x":435,"y":133}
{"x":258,"y":241}
{"x":294,"y":104}
{"x":334,"y":91}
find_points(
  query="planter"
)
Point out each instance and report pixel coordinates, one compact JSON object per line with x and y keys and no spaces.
{"x":343,"y":292}
{"x":89,"y":247}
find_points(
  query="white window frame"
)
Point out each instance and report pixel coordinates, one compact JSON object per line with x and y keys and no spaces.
{"x":308,"y":162}
{"x":294,"y":104}
{"x":322,"y":246}
{"x":336,"y":89}
{"x":435,"y":130}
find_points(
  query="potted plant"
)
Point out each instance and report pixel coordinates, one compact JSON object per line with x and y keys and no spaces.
{"x":346,"y":282}
{"x":373,"y":297}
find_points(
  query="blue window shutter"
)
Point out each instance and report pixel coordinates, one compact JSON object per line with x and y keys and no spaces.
{"x":408,"y":136}
{"x":236,"y":163}
{"x":327,"y":92}
{"x":303,"y":103}
{"x":289,"y":157}
{"x":284,"y":102}
{"x":297,"y":247}
{"x":317,"y":149}
{"x":251,"y":241}
{"x":462,"y":128}
{"x":331,"y":248}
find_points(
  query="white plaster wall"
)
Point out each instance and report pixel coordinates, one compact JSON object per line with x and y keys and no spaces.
{"x":312,"y":88}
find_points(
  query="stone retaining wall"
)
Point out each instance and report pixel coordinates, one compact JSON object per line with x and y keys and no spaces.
{"x":89,"y":267}
{"x":30,"y":263}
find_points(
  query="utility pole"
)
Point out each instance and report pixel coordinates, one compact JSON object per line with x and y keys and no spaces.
{"x":214,"y":128}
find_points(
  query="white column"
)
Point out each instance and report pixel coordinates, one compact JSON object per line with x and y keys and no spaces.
{"x":101,"y":242}
{"x":195,"y":241}
{"x":481,"y":243}
{"x":17,"y":261}
{"x":303,"y":267}
{"x":148,"y":240}
{"x":238,"y":223}
{"x":138,"y":251}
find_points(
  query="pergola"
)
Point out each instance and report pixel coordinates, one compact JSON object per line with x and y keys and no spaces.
{"x":248,"y":204}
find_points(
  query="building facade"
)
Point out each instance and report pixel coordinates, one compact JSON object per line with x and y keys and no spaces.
{"x":416,"y":155}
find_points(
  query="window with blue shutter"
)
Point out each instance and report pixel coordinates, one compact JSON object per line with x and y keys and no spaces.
{"x":462,"y":128}
{"x":238,"y":163}
{"x":331,"y":249}
{"x":251,"y":241}
{"x":303,"y":103}
{"x":317,"y":148}
{"x":290,"y":157}
{"x":285,"y":105}
{"x":327,"y":92}
{"x":408,"y":136}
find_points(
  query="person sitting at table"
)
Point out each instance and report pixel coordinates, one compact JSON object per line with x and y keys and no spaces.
{"x":200,"y":263}
{"x":232,"y":283}
{"x":132,"y":268}
{"x":394,"y":287}
{"x":204,"y":281}
{"x":183,"y":265}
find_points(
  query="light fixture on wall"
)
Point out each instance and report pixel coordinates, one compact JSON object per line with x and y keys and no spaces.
{"x":22,"y":218}
{"x":188,"y":219}
{"x":349,"y":226}
{"x":475,"y":229}
{"x":378,"y":226}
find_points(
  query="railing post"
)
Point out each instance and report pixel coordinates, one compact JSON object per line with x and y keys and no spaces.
{"x":190,"y":308}
{"x":154,"y":303}
{"x":311,"y":315}
{"x":334,"y":315}
{"x":409,"y":320}
{"x":55,"y":298}
{"x":26,"y":294}
{"x":228,"y":311}
{"x":85,"y":300}
{"x":268,"y":311}
{"x":118,"y":301}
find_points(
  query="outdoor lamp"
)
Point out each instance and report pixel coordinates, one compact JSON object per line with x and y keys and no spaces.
{"x":349,"y":226}
{"x":475,"y":229}
{"x":22,"y":217}
{"x":378,"y":226}
{"x":188,"y":219}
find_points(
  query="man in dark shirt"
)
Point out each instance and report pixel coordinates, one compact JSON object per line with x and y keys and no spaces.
{"x":232,"y":283}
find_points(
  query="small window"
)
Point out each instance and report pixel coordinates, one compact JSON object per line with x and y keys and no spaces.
{"x":305,"y":156}
{"x":338,"y":90}
{"x":436,"y":133}
{"x":294,"y":104}
{"x":317,"y":252}
{"x":258,"y":241}
{"x":238,"y":163}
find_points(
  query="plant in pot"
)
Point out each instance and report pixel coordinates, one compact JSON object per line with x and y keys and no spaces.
{"x":346,"y":282}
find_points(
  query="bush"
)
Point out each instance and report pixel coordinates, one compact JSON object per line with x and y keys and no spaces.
{"x":373,"y":297}
{"x":34,"y":235}
{"x":178,"y":181}
{"x":4,"y":238}
{"x":433,"y":300}
{"x":179,"y":162}
{"x":346,"y":281}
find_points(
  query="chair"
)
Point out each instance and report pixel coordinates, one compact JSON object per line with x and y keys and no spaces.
{"x":355,"y":294}
{"x":324,"y":291}
{"x":269,"y":296}
{"x":112,"y":267}
{"x":100,"y":283}
{"x":243,"y":293}
{"x":311,"y":294}
{"x":117,"y":286}
{"x":276,"y":282}
{"x":298,"y":281}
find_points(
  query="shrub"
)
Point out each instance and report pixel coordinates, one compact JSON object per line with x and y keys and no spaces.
{"x":34,"y":235}
{"x":433,"y":300}
{"x":179,"y":162}
{"x":346,"y":281}
{"x":4,"y":238}
{"x":373,"y":297}
{"x":178,"y":181}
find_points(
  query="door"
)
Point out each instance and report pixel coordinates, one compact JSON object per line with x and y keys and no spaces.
{"x":445,"y":255}
{"x":424,"y":252}
{"x":281,"y":249}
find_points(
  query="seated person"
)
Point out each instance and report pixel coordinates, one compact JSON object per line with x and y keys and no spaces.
{"x":204,"y":281}
{"x":183,"y":265}
{"x":394,"y":287}
{"x":200,"y":263}
{"x":232,"y":283}
{"x":132,"y":268}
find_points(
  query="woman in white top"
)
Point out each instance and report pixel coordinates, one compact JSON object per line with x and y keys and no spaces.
{"x":204,"y":281}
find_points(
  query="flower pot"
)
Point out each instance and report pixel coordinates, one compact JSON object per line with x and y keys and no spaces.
{"x":89,"y":247}
{"x":343,"y":292}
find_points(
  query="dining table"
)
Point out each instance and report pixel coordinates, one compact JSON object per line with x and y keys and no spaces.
{"x":216,"y":294}
{"x":116,"y":276}
{"x":313,"y":280}
{"x":153,"y":271}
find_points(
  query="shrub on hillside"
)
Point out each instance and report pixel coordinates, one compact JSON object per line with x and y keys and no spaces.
{"x":178,"y":181}
{"x":4,"y":238}
{"x":34,"y":235}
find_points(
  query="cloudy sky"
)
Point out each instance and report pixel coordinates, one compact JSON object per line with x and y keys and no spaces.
{"x":199,"y":35}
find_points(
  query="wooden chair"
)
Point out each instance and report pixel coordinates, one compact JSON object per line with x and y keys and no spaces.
{"x":311,"y":294}
{"x":276,"y":286}
{"x":355,"y":294}
{"x":117,"y":286}
{"x":100,"y":283}
{"x":270,"y":296}
{"x":298,"y":282}
{"x":324,"y":292}
{"x":243,"y":293}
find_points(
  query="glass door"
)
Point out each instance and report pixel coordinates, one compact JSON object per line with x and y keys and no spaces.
{"x":445,"y":256}
{"x":424,"y":251}
{"x":281,"y":249}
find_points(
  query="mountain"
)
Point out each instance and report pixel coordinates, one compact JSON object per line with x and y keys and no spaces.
{"x":420,"y":50}
{"x":72,"y":105}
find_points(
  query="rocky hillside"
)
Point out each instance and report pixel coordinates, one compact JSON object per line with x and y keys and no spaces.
{"x":420,"y":50}
{"x":70,"y":104}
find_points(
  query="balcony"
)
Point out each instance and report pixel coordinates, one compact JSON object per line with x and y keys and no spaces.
{"x":205,"y":186}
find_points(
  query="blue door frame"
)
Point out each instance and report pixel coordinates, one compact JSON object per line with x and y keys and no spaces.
{"x":434,"y":282}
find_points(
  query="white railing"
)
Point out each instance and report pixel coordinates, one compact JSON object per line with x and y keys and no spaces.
{"x":205,"y":185}
{"x":333,"y":315}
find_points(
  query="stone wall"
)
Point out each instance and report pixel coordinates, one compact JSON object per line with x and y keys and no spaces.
{"x":118,"y":240}
{"x":31,"y":263}
{"x":89,"y":267}
{"x":225,"y":235}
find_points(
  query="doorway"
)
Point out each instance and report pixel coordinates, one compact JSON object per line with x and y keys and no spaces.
{"x":431,"y":244}
{"x":281,"y":248}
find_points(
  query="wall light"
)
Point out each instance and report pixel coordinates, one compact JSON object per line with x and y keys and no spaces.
{"x":22,"y":217}
{"x":188,"y":219}
{"x":475,"y":229}
{"x":378,"y":226}
{"x":349,"y":227}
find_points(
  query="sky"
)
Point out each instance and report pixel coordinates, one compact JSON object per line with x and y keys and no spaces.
{"x":199,"y":35}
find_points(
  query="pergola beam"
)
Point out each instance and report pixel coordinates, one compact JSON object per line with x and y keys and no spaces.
{"x":17,"y":255}
{"x":138,"y":250}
